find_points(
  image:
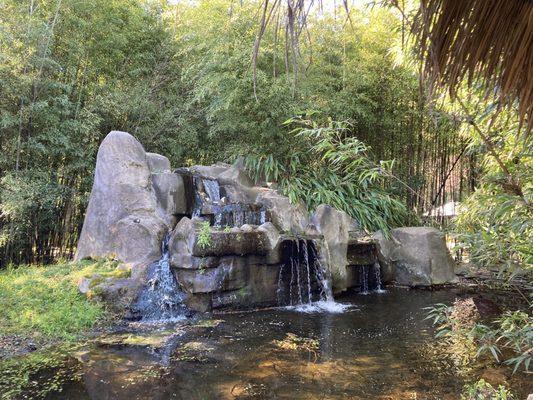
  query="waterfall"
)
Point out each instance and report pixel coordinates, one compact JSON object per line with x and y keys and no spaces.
{"x":364,"y":279}
{"x":212,"y":190}
{"x":204,"y":199}
{"x":198,"y":202}
{"x":370,"y":279}
{"x":306,"y":260}
{"x":323,"y":277}
{"x":238,"y":214}
{"x":161,"y":297}
{"x":303,"y":283}
{"x":377,"y":277}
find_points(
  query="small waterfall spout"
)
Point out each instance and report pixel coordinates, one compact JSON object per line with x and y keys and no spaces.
{"x":303,"y":282}
{"x":364,"y":279}
{"x":377,"y":278}
{"x":370,"y":279}
{"x":205,"y":191}
{"x":212,"y":189}
{"x":161,"y":297}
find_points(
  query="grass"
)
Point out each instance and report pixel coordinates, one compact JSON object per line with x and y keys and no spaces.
{"x":44,"y":302}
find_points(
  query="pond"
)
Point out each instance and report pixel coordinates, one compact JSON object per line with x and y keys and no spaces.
{"x":379,"y":347}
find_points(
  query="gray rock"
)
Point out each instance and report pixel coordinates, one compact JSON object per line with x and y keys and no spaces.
{"x":415,"y":256}
{"x":335,"y":226}
{"x":247,"y":228}
{"x":273,"y":241}
{"x":168,"y":187}
{"x":237,"y":176}
{"x":170,"y":192}
{"x":181,"y":243}
{"x":122,"y":219}
{"x":233,"y":243}
{"x":230,"y":274}
{"x":209,"y":171}
{"x":285,"y":216}
{"x":157,"y":163}
{"x":260,"y":289}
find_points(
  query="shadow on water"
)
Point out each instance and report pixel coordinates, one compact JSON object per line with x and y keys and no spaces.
{"x":381,"y":348}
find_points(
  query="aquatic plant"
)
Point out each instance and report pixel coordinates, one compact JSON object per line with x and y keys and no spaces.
{"x":56,"y":366}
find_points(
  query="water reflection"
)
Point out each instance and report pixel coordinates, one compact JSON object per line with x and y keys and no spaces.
{"x":380,"y":349}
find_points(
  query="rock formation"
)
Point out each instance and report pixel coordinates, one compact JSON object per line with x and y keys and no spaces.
{"x":229,"y":243}
{"x":415,"y":256}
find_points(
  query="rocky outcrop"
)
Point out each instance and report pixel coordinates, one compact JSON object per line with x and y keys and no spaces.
{"x":122,"y":220}
{"x":132,"y":206}
{"x":236,"y":244}
{"x":231,"y":269}
{"x":415,"y":256}
{"x":287,"y":217}
{"x":335,"y":226}
{"x":168,"y":188}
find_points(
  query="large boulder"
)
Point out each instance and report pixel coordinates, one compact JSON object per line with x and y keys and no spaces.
{"x":122,"y":219}
{"x":415,"y":256}
{"x":336,"y":227}
{"x":287,"y":217}
{"x":168,"y":188}
{"x":243,"y":241}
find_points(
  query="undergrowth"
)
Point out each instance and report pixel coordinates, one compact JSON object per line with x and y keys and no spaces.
{"x":44,"y":302}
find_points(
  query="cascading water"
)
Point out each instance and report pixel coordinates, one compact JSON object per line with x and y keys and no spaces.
{"x":207,"y":202}
{"x":161,"y":297}
{"x":370,"y":279}
{"x":377,"y":277}
{"x":238,"y":214}
{"x":364,"y":279}
{"x":212,"y":190}
{"x":303,"y":283}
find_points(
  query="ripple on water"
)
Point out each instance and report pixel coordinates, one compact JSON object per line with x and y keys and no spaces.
{"x":331,"y":307}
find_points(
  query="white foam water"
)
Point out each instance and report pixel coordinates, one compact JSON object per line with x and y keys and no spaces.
{"x":322,"y":306}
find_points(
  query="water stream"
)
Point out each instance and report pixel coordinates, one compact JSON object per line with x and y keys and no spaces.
{"x":304,"y":284}
{"x":161,"y":298}
{"x":209,"y":204}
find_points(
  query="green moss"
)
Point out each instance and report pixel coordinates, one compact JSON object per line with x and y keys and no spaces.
{"x":97,"y":279}
{"x":44,"y":302}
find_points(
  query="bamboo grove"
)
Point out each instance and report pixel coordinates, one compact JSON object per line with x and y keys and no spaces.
{"x":190,"y":81}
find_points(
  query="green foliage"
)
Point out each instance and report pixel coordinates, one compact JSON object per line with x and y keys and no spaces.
{"x":44,"y":301}
{"x":496,"y":228}
{"x":495,"y":225}
{"x":439,"y":314}
{"x":511,"y":333}
{"x":482,"y":390}
{"x":204,"y":235}
{"x":161,"y":72}
{"x":329,"y":166}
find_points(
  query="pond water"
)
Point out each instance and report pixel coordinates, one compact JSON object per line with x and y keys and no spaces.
{"x":380,"y":347}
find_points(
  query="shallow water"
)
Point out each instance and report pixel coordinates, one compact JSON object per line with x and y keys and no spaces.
{"x":380,"y":347}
